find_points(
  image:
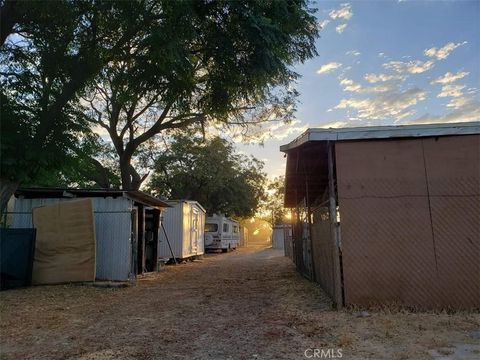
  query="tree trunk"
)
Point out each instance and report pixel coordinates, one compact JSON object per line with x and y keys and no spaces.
{"x":7,"y":189}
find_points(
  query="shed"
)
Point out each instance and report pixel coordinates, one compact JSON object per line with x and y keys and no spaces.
{"x":184,"y":224}
{"x":281,"y":233}
{"x":126,"y":226}
{"x":388,"y":214}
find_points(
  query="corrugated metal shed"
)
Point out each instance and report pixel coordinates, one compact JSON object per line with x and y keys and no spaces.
{"x":112,"y":230}
{"x":184,"y":224}
{"x":113,"y":223}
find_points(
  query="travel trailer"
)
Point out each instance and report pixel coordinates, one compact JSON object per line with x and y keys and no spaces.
{"x":221,"y":233}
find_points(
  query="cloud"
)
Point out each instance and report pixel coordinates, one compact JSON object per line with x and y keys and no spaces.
{"x":326,"y":68}
{"x":469,"y":111}
{"x":459,"y":102}
{"x":451,"y":91}
{"x":393,"y":105}
{"x":353,"y":52}
{"x":335,"y":124}
{"x":341,"y":28}
{"x":410,"y":67}
{"x":323,"y":23}
{"x":344,"y":12}
{"x":443,"y":52}
{"x":374,"y":78}
{"x":449,"y":78}
{"x":350,"y":85}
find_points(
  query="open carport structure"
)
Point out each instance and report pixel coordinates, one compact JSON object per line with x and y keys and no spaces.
{"x":388,"y":214}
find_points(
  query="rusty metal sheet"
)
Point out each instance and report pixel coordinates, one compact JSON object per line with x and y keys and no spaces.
{"x":409,"y":218}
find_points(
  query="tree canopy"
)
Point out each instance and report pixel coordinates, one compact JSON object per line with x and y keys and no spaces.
{"x":136,"y":69}
{"x":212,"y":173}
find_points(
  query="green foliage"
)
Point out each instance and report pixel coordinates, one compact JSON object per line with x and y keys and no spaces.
{"x":198,"y":63}
{"x":138,"y":68}
{"x":53,"y":51}
{"x":274,"y":202}
{"x":212,"y":173}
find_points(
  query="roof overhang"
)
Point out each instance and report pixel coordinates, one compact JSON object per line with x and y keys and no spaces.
{"x":306,"y":173}
{"x":383,"y":132}
{"x":137,"y":196}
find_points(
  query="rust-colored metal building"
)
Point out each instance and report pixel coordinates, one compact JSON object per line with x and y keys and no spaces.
{"x":388,"y":214}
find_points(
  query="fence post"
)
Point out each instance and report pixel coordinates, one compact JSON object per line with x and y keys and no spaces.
{"x":333,"y":225}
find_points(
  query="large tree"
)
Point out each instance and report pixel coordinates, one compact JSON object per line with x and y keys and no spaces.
{"x":144,"y":66}
{"x":202,"y":62}
{"x":50,"y":51}
{"x":210,"y":172}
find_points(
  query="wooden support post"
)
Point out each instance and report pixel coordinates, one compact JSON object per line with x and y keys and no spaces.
{"x":337,"y":280}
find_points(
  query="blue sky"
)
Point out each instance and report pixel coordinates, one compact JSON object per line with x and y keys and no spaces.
{"x":382,"y":63}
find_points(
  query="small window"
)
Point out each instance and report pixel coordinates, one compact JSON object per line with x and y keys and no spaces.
{"x":211,"y":227}
{"x":225,"y":228}
{"x":235,"y":229}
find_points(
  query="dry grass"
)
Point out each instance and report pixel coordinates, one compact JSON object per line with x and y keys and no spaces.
{"x":243,"y":305}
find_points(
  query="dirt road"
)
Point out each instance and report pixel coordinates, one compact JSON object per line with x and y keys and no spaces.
{"x":248,"y":304}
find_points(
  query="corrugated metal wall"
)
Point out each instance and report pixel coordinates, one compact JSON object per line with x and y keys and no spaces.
{"x":178,"y":225}
{"x":112,"y":232}
{"x":410,"y":213}
{"x":173,"y":224}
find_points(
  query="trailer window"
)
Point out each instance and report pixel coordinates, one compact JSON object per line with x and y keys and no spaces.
{"x":225,"y":228}
{"x":211,"y":227}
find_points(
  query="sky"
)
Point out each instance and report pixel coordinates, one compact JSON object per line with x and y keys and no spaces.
{"x":384,"y":62}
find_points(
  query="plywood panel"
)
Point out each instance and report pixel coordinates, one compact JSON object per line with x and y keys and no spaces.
{"x":65,"y":244}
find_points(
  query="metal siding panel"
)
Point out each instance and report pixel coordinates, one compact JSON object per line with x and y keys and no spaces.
{"x":112,"y":232}
{"x":186,"y":226}
{"x":173,"y":223}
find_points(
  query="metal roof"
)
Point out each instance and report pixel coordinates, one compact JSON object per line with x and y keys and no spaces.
{"x":138,"y":196}
{"x":176,"y":201}
{"x":383,"y":132}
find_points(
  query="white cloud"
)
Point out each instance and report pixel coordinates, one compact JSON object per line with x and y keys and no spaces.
{"x":341,"y":28}
{"x":350,"y":85}
{"x":344,"y":12}
{"x":323,"y":23}
{"x":458,"y":102}
{"x":468,"y":111}
{"x":393,"y":105}
{"x":451,"y":91}
{"x":326,"y":68}
{"x":410,"y":67}
{"x":335,"y":124}
{"x":443,"y":52}
{"x":449,"y":78}
{"x":374,"y":78}
{"x":353,"y":52}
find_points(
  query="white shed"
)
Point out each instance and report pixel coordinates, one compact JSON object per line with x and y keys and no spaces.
{"x":184,"y":225}
{"x":280,"y":234}
{"x":127,"y":224}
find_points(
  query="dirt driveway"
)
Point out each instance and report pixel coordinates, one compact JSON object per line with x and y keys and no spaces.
{"x":248,"y":304}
